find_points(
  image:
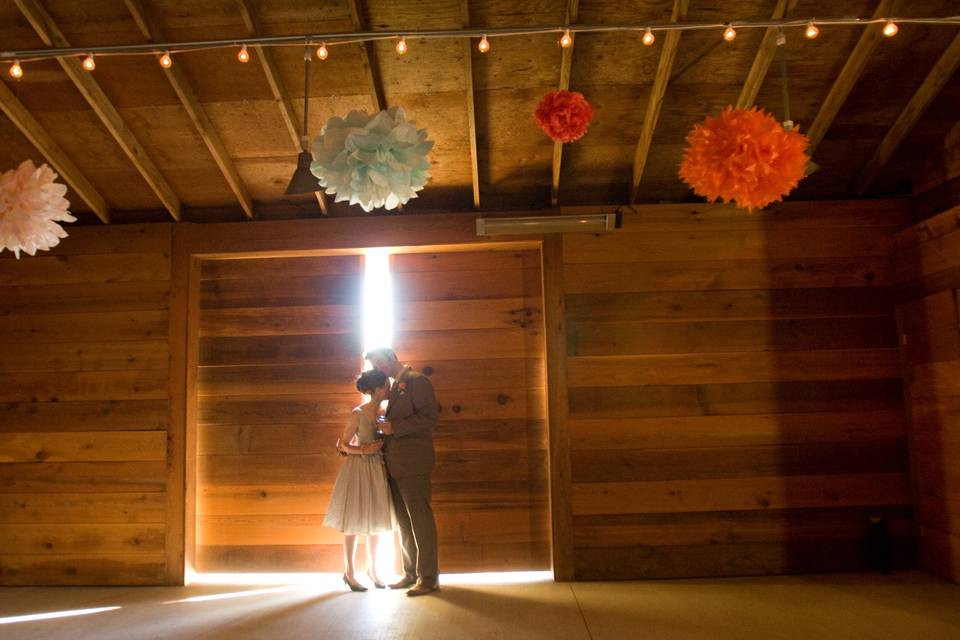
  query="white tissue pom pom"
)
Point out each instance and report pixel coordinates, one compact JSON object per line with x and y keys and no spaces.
{"x":31,"y":204}
{"x":378,"y":161}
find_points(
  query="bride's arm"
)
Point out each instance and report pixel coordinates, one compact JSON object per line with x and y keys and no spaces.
{"x":349,"y":431}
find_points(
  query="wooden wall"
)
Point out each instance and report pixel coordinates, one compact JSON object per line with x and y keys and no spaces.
{"x":280,"y":346}
{"x":84,"y":410}
{"x":734,"y":391}
{"x":927,"y":269}
{"x":473,"y":322}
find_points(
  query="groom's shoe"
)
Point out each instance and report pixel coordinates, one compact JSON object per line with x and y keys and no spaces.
{"x":406,"y":581}
{"x":423,"y":589}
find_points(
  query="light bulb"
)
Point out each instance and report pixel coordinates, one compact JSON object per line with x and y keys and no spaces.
{"x":566,"y":39}
{"x":16,"y":71}
{"x":729,"y":33}
{"x":812,"y":31}
{"x":402,"y":47}
{"x":88,"y":63}
{"x":322,"y":52}
{"x":484,"y":45}
{"x":648,"y":37}
{"x":165,"y":60}
{"x":243,"y":55}
{"x":890,"y":29}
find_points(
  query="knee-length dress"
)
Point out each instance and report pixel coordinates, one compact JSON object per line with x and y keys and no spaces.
{"x":361,"y":503}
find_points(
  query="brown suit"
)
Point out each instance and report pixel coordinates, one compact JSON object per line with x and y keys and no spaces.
{"x":408,"y":452}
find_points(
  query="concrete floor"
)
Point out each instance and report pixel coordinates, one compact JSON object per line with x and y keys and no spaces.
{"x":835,"y":607}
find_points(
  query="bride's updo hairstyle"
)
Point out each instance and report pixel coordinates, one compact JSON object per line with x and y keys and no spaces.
{"x":370,"y":381}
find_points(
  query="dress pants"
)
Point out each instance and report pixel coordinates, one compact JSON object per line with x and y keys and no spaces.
{"x":418,"y":530}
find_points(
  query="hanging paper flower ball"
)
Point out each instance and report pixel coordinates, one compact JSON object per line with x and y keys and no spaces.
{"x":378,"y":161}
{"x":564,"y":115}
{"x":31,"y":205}
{"x":744,"y":156}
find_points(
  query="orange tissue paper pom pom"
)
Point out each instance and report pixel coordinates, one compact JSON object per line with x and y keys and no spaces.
{"x":564,"y":115}
{"x":744,"y":156}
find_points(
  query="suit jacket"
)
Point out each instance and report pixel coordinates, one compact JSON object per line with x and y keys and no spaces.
{"x":412,"y":412}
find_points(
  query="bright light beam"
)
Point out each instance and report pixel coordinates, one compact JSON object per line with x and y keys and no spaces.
{"x":377,"y":300}
{"x":54,"y":614}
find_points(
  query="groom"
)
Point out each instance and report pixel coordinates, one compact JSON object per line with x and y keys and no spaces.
{"x":408,"y":451}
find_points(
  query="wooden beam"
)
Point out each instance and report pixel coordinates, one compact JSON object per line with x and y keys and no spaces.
{"x":368,"y":56}
{"x":471,"y":105}
{"x":52,"y":36}
{"x":938,"y":77}
{"x":851,"y":72}
{"x":566,"y":64}
{"x":280,"y":95}
{"x":764,"y":57}
{"x":670,"y":44}
{"x":62,"y":163}
{"x":188,"y":98}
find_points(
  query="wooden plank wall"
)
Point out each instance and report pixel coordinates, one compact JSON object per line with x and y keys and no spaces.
{"x":473,"y":322}
{"x":84,"y":409}
{"x":280,"y":346}
{"x":927,"y":272}
{"x":734,"y":391}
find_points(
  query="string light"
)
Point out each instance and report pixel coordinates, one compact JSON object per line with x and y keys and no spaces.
{"x":811,"y":31}
{"x":566,"y":39}
{"x":648,"y":37}
{"x":402,"y":46}
{"x":165,"y":60}
{"x":729,"y":33}
{"x":890,"y":29}
{"x":16,"y":71}
{"x":243,"y":55}
{"x":322,"y":52}
{"x":484,"y":45}
{"x":88,"y":63}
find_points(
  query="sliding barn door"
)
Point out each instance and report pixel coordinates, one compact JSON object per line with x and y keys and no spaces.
{"x":472,"y":322}
{"x":280,"y":344}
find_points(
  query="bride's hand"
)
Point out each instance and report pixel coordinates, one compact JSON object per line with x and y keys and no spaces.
{"x":373,"y":447}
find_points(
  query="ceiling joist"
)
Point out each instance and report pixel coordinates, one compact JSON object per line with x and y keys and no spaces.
{"x":52,"y":36}
{"x":764,"y":57}
{"x":657,"y":91}
{"x":368,"y":58}
{"x":938,"y":77}
{"x":471,"y":106}
{"x":851,"y":72}
{"x":198,"y":115}
{"x":566,"y":65}
{"x":61,"y":162}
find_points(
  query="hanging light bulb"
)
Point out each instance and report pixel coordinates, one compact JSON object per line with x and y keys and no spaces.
{"x":16,"y":71}
{"x":648,"y":37}
{"x":484,"y":45}
{"x":243,"y":55}
{"x":729,"y":33}
{"x":322,"y":52}
{"x":88,"y":63}
{"x":402,"y":46}
{"x":566,"y":39}
{"x":811,"y":31}
{"x":890,"y":29}
{"x":165,"y":60}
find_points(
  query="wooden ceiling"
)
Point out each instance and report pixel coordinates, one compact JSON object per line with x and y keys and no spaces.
{"x":514,"y":160}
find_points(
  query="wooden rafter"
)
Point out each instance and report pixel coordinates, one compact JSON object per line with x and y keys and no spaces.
{"x":851,"y":72}
{"x":280,"y":95}
{"x":471,"y":105}
{"x":52,"y":36}
{"x":764,"y":57}
{"x":566,"y":65}
{"x":670,"y":43}
{"x":939,"y":75}
{"x":368,"y":57}
{"x":198,"y":115}
{"x":61,"y":162}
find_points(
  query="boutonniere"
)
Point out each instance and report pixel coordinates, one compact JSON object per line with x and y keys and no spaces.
{"x":402,"y":387}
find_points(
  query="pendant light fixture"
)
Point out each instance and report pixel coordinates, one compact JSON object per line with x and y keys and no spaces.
{"x":303,"y":181}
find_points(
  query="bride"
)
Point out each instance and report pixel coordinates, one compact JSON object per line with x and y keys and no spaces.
{"x":360,"y":503}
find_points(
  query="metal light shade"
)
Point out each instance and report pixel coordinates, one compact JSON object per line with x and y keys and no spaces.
{"x":303,"y":181}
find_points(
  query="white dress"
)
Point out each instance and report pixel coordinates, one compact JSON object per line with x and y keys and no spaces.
{"x":360,"y":502}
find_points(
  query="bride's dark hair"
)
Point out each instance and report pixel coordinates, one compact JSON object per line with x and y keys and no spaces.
{"x":370,"y":381}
